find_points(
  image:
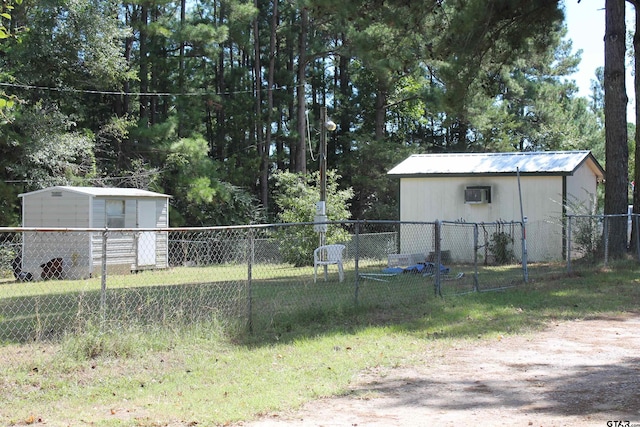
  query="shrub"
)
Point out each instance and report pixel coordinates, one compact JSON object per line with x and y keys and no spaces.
{"x":501,"y":246}
{"x":296,"y":196}
{"x":586,"y":231}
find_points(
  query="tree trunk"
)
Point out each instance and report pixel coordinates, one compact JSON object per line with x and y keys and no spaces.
{"x":259,"y":126}
{"x":615,"y":110}
{"x":264,"y":177}
{"x":636,"y":175}
{"x":144,"y":65}
{"x":381,"y":113}
{"x":181,"y":70}
{"x":345,"y":94}
{"x":300,"y":165}
{"x":126,"y":85}
{"x":219,"y":151}
{"x":289,"y":53}
{"x":154,"y":69}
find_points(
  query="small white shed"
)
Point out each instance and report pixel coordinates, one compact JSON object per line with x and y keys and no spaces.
{"x":94,"y":207}
{"x":483,"y":187}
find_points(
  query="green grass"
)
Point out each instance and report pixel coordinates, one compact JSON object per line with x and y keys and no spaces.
{"x":276,"y":298}
{"x":202,"y":373}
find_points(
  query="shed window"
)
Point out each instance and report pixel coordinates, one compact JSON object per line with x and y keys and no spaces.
{"x":115,"y":213}
{"x":477,"y":194}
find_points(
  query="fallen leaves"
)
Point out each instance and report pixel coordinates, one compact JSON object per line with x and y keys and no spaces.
{"x":31,"y":419}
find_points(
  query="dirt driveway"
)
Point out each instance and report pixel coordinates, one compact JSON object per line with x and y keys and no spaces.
{"x":578,"y":373}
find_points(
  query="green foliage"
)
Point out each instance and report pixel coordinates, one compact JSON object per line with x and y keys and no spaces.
{"x":7,"y":255}
{"x":91,"y":343}
{"x":586,"y":227}
{"x":375,"y":193}
{"x":587,"y":231}
{"x":172,"y":98}
{"x":46,"y":149}
{"x":6,"y":8}
{"x":9,"y":204}
{"x":296,"y":196}
{"x":201,"y":198}
{"x":501,"y":247}
{"x":7,"y":102}
{"x":66,"y":44}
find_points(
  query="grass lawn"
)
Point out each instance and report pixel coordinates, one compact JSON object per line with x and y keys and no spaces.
{"x":208,"y":373}
{"x":276,"y":297}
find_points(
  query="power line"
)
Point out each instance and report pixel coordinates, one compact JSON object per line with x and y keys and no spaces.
{"x":145,"y":174}
{"x":103,"y":92}
{"x":121,"y":93}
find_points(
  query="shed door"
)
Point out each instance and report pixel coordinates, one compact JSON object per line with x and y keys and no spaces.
{"x":147,"y":239}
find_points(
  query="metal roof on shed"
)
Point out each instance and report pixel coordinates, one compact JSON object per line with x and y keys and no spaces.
{"x":101,"y":191}
{"x":540,"y":162}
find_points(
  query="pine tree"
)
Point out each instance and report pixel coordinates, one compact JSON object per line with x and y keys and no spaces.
{"x":615,"y":107}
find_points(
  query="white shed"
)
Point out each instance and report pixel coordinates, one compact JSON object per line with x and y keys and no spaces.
{"x":483,"y":187}
{"x":94,"y":207}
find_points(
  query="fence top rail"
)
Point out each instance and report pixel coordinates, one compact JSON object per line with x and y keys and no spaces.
{"x":73,"y":229}
{"x":231,"y":227}
{"x":277,"y":225}
{"x":202,"y":228}
{"x":482,"y":223}
{"x":600,"y":216}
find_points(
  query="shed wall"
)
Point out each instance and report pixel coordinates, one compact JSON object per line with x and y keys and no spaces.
{"x":56,"y":209}
{"x":162,"y":237}
{"x":82,"y":251}
{"x":73,"y":247}
{"x":582,"y":188}
{"x":123,"y":248}
{"x":59,"y":209}
{"x":434,"y":198}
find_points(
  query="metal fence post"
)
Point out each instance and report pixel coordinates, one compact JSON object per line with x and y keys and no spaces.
{"x":525,"y":255}
{"x":103,"y":278}
{"x":635,"y":219}
{"x":250,"y":261}
{"x":357,"y":258}
{"x":475,"y":257}
{"x":606,"y":240}
{"x":437,"y":230}
{"x":569,"y":243}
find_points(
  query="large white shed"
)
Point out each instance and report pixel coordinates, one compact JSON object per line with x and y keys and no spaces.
{"x":94,"y":207}
{"x":484,"y":188}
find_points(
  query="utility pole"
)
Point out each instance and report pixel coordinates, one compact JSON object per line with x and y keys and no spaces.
{"x":321,"y":206}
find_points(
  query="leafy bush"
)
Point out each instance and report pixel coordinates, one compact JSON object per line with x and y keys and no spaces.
{"x":201,"y":197}
{"x":586,"y":230}
{"x":296,"y":196}
{"x":7,"y":255}
{"x":501,"y":246}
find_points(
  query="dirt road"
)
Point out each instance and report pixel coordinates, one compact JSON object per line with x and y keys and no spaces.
{"x":578,"y":373}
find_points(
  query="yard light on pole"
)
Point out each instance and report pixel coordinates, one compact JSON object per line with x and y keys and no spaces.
{"x":321,"y":210}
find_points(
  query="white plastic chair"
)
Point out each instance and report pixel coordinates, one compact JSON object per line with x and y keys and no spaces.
{"x":327,"y":255}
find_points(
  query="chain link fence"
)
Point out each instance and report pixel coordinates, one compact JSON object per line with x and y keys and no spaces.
{"x":261,"y":277}
{"x":589,"y":236}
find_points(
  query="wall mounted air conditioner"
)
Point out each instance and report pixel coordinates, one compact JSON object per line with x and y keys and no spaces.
{"x":477,"y":194}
